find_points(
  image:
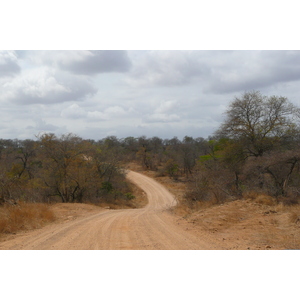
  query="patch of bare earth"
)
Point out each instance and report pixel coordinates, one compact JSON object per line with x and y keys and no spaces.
{"x":246,"y":224}
{"x":254,"y":223}
{"x":65,"y":212}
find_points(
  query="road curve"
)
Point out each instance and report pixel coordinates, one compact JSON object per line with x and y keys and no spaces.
{"x":149,"y":228}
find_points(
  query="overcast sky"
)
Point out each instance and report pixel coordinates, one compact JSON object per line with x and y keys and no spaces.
{"x":95,"y":94}
{"x":134,"y":93}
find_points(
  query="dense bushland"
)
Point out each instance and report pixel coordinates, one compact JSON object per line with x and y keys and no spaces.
{"x":61,"y":169}
{"x":255,"y":151}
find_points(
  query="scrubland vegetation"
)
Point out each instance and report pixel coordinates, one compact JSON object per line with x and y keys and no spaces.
{"x":254,"y":152}
{"x":67,"y":169}
{"x":253,"y":155}
{"x":61,"y":169}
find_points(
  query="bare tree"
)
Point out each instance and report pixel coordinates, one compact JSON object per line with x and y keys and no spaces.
{"x":259,"y":122}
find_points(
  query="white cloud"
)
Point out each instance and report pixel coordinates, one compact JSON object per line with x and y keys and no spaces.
{"x":97,"y":116}
{"x":166,"y":68}
{"x":6,"y":56}
{"x":115,"y":111}
{"x":8,"y":64}
{"x":162,"y":118}
{"x":167,"y":106}
{"x":73,"y":112}
{"x":45,"y":85}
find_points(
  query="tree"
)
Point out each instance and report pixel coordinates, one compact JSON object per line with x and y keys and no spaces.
{"x":67,"y":170}
{"x":26,"y":152}
{"x":277,"y":173}
{"x":259,"y":122}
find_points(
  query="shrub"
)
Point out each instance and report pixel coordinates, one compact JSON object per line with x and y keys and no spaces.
{"x":129,"y":196}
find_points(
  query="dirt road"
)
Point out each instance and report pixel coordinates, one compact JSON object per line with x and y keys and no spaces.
{"x":151,"y":227}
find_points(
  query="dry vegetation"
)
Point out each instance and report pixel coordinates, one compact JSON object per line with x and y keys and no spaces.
{"x":24,"y":216}
{"x":242,"y":184}
{"x":37,"y":175}
{"x":255,"y":222}
{"x":136,"y":199}
{"x":250,"y":224}
{"x":27,"y":216}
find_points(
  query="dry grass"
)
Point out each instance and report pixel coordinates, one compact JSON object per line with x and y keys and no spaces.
{"x":295,"y":217}
{"x":24,"y":216}
{"x":260,"y":198}
{"x":248,"y":224}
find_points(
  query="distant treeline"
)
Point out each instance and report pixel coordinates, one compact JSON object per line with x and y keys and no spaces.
{"x":256,"y":149}
{"x":71,"y":169}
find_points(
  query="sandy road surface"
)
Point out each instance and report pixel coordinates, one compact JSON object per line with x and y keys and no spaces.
{"x":151,"y":227}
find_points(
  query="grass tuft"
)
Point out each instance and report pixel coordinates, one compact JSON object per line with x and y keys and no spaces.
{"x":24,"y":216}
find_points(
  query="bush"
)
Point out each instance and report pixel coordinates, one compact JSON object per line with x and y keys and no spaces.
{"x":106,"y":186}
{"x":129,"y":196}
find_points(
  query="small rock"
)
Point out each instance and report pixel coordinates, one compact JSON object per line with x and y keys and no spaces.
{"x":268,"y":247}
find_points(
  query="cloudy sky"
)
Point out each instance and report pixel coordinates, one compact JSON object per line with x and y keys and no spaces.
{"x":131,"y":93}
{"x":155,"y":92}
